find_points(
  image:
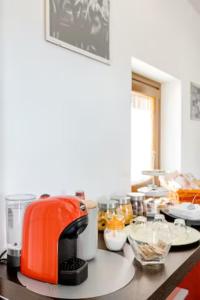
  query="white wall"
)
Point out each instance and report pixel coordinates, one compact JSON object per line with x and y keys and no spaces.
{"x":166,"y":35}
{"x":67,"y":118}
{"x":171,"y":133}
{"x":2,"y":208}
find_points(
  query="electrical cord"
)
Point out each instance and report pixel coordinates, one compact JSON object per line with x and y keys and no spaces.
{"x":2,"y":254}
{"x":3,"y":260}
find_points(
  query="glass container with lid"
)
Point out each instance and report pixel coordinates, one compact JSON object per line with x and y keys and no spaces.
{"x":114,"y":235}
{"x":125,"y":208}
{"x":15,"y":208}
{"x":138,"y":205}
{"x":106,"y":211}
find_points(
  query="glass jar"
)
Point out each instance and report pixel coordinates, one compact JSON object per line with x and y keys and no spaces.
{"x":138,"y":205}
{"x":151,"y":207}
{"x":106,"y":212}
{"x":125,"y":208}
{"x":15,"y":208}
{"x":114,"y":235}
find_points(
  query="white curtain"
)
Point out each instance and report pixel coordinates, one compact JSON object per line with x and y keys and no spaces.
{"x":142,"y":110}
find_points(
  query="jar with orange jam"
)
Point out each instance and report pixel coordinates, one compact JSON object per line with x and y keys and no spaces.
{"x":106,"y":211}
{"x":125,"y":208}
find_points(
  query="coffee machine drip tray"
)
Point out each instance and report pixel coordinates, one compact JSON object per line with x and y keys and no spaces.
{"x":107,"y":273}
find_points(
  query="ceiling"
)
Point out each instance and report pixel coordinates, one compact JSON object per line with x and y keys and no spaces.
{"x":195,"y":4}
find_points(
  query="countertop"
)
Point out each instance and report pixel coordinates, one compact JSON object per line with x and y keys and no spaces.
{"x":146,"y":284}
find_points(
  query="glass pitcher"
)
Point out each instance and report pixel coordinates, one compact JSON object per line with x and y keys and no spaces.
{"x":15,"y":208}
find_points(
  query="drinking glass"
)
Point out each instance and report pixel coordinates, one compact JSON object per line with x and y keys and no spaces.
{"x":180,"y":229}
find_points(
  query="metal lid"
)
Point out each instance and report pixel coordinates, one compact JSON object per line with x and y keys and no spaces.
{"x":124,"y":200}
{"x":117,"y":197}
{"x":107,"y":205}
{"x":20,"y":198}
{"x":136,"y":196}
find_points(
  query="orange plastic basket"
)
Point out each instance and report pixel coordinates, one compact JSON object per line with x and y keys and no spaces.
{"x":188,"y":196}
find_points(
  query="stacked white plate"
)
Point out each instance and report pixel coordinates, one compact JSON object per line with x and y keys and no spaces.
{"x":186,"y":211}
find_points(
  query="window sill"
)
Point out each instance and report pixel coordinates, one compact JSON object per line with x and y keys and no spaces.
{"x":136,"y":185}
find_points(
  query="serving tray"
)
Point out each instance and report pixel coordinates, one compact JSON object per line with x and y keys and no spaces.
{"x":192,"y":237}
{"x":107,"y":273}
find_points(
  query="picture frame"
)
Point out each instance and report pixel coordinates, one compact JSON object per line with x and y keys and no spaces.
{"x":82,"y":26}
{"x":195,"y":101}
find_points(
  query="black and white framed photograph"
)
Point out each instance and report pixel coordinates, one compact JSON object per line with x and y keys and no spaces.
{"x":80,"y":25}
{"x":195,"y":101}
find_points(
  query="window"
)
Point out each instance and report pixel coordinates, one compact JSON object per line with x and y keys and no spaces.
{"x":145,"y":127}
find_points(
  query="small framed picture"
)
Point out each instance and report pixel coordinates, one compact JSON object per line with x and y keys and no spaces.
{"x":82,"y":26}
{"x":195,"y":101}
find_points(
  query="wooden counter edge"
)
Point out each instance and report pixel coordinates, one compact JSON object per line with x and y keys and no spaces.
{"x":175,"y":279}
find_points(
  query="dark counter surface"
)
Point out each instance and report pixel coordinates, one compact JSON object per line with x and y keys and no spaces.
{"x":146,"y":284}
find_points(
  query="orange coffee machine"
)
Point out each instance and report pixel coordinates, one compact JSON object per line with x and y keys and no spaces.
{"x":49,"y":241}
